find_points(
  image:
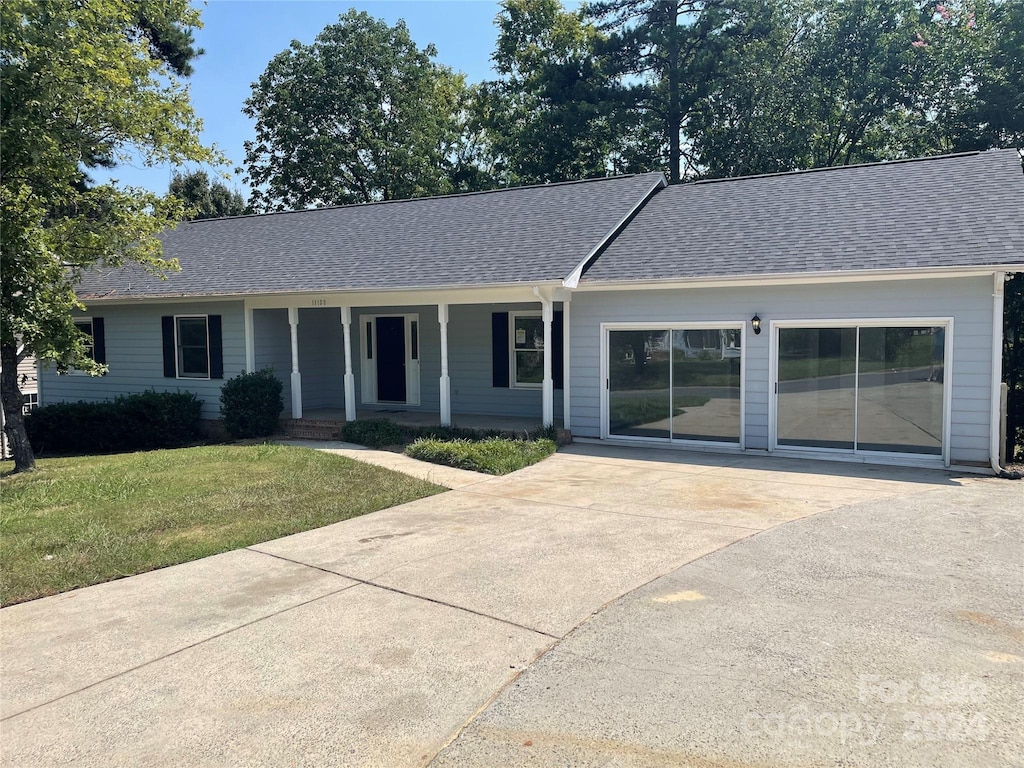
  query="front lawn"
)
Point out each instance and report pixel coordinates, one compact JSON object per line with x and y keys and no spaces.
{"x":83,"y":520}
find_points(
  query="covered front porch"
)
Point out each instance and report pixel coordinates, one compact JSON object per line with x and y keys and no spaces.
{"x":481,"y":359}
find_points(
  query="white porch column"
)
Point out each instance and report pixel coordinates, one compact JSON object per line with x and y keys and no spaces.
{"x":446,"y":383}
{"x":250,"y":340}
{"x":293,"y":321}
{"x":565,"y":361}
{"x":350,"y":379}
{"x":548,"y":388}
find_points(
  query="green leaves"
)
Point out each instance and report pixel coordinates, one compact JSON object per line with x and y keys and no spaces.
{"x":83,"y":85}
{"x":359,"y":115}
{"x":203,"y":199}
{"x":551,"y":117}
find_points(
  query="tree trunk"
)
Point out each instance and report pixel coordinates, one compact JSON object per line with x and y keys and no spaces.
{"x":674,"y":107}
{"x":14,"y":418}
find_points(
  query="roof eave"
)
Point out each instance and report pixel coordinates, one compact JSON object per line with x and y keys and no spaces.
{"x":791,"y":278}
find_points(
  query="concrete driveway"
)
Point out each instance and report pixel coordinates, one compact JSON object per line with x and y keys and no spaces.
{"x":378,"y":640}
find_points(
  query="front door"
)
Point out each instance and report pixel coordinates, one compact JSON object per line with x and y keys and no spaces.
{"x":391,"y":359}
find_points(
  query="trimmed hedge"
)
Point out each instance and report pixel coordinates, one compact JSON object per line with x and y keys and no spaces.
{"x":494,"y":455}
{"x":141,"y":422}
{"x":378,"y":433}
{"x":251,"y":404}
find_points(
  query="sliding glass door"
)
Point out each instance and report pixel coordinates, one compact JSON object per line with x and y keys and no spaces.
{"x":675,"y":383}
{"x":817,"y":399}
{"x":861,"y":388}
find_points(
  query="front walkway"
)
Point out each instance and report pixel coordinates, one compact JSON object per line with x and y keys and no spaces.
{"x":376,"y":640}
{"x":448,"y":477}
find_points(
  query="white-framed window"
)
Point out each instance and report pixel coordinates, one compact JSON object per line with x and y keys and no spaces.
{"x":192,"y":346}
{"x":85,"y":326}
{"x":526,"y":347}
{"x":31,"y":401}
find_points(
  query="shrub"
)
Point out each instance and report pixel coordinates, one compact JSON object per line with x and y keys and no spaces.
{"x":375,"y":433}
{"x":251,"y":404}
{"x":128,"y":423}
{"x":494,"y":455}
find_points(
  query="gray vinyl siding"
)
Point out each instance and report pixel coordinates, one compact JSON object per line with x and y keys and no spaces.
{"x":134,"y":346}
{"x":470,"y":364}
{"x":321,"y":358}
{"x":967,"y":300}
{"x":273,"y":347}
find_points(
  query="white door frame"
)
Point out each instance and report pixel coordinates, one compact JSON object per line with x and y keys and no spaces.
{"x":368,"y":365}
{"x":688,"y":326}
{"x":872,"y":322}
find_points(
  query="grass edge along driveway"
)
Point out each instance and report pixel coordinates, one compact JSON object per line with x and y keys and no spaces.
{"x":88,"y":519}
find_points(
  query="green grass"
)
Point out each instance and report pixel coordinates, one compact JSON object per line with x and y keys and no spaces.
{"x":494,"y":456}
{"x":83,"y":520}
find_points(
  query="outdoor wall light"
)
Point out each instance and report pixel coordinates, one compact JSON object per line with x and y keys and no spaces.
{"x":755,"y":323}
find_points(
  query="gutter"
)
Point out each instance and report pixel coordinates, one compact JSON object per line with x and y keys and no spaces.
{"x":998,"y":292}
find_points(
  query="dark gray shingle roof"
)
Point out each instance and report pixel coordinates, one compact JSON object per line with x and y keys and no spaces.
{"x":525,"y":234}
{"x":957,"y":210}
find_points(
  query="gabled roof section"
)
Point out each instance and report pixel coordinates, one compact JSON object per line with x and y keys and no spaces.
{"x":535,"y":234}
{"x":942,"y":212}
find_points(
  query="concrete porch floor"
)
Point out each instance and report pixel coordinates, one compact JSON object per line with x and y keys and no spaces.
{"x":399,"y":415}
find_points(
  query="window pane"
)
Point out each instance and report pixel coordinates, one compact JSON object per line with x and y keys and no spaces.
{"x":816,"y":401}
{"x":85,"y":326}
{"x":193,"y":357}
{"x":706,"y":384}
{"x":529,"y":367}
{"x":529,"y":333}
{"x":193,"y":362}
{"x":192,"y":331}
{"x":899,"y":406}
{"x":638,"y":383}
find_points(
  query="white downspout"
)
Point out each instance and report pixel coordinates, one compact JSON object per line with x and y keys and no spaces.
{"x":998,"y":291}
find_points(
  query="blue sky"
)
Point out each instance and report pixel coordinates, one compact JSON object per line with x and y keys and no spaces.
{"x":241,"y":36}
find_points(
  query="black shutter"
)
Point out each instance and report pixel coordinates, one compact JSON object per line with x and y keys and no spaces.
{"x":216,"y":348}
{"x":557,"y":350}
{"x":167,"y":323}
{"x":99,"y":341}
{"x":499,"y":349}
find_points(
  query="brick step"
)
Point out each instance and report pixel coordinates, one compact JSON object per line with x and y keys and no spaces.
{"x":311,"y":429}
{"x":315,"y":423}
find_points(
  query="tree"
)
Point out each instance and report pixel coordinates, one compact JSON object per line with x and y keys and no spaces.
{"x":550,"y":117}
{"x":750,"y":119}
{"x":361,"y":114}
{"x":203,"y":199}
{"x":82,"y":85}
{"x":668,"y":51}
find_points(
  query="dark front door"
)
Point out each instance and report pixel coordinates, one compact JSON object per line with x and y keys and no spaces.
{"x":391,"y":359}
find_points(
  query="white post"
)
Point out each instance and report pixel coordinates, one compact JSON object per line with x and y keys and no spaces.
{"x":565,"y":362}
{"x":350,"y":379}
{"x":293,"y":321}
{"x":446,"y":384}
{"x":250,"y":340}
{"x":548,"y":390}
